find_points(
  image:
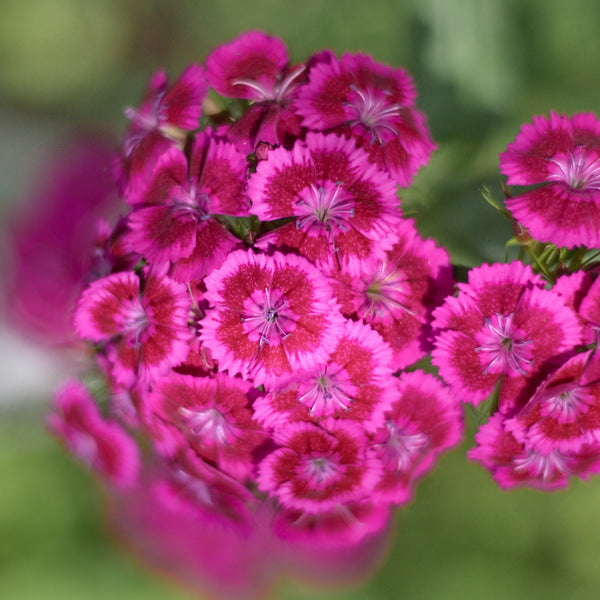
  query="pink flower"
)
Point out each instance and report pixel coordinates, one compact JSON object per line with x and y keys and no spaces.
{"x":211,"y":415}
{"x":502,"y":325}
{"x":424,"y":420}
{"x":502,"y":448}
{"x":316,"y":468}
{"x":142,"y":325}
{"x":176,"y":526}
{"x":344,"y":208}
{"x":102,"y":445}
{"x":270,"y":315}
{"x":373,"y":103}
{"x":253,"y":66}
{"x":562,"y":154}
{"x":345,"y":526}
{"x":172,"y":220}
{"x":191,"y":486}
{"x":354,"y":384}
{"x":397,"y":296}
{"x":564,"y":412}
{"x":50,"y":240}
{"x":168,"y":111}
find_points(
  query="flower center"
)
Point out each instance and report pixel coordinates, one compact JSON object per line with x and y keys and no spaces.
{"x":385,"y":295}
{"x":135,"y":323}
{"x":147,"y":119}
{"x":397,"y":453}
{"x":544,"y":466}
{"x":267,"y":317}
{"x":566,"y":405}
{"x":373,"y":110}
{"x":194,"y":488}
{"x":329,"y":393}
{"x":210,"y":425}
{"x":327,"y":208}
{"x":192,"y":204}
{"x":502,"y":348}
{"x":279,"y":92}
{"x":580,"y":169}
{"x":320,"y":470}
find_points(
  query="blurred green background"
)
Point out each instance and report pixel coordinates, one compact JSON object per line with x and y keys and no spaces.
{"x":482,"y":67}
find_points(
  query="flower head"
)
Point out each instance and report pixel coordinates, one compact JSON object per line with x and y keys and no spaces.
{"x":372,"y":102}
{"x":142,"y":325}
{"x":270,"y":315}
{"x":563,"y":155}
{"x":102,"y":445}
{"x":343,"y":208}
{"x":502,"y":326}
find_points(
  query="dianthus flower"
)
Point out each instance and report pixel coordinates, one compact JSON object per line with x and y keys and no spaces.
{"x":211,"y":415}
{"x":172,"y":220}
{"x":255,"y":67}
{"x":167,"y":111}
{"x":423,"y":421}
{"x":374,"y":104}
{"x":102,"y":445}
{"x":142,"y":325}
{"x":561,"y":157}
{"x":318,"y":467}
{"x":270,"y":315}
{"x":502,"y":327}
{"x":353,"y":384}
{"x":398,"y":294}
{"x":343,"y":207}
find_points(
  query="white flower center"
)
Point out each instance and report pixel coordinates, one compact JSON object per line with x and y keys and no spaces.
{"x":502,"y":348}
{"x":579,"y":169}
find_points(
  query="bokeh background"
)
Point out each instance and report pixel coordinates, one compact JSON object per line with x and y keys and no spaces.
{"x":482,"y":67}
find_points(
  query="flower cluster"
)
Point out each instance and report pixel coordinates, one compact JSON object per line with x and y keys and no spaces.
{"x":526,"y":336}
{"x":253,"y":313}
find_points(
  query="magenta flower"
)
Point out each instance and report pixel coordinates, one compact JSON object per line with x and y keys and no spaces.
{"x":424,"y":420}
{"x":562,"y":154}
{"x":502,"y":325}
{"x":211,"y":415}
{"x":317,"y":468}
{"x":352,"y":385}
{"x":270,"y":315}
{"x":141,"y":325}
{"x":503,"y":450}
{"x":104,"y":446}
{"x":168,"y":111}
{"x":397,"y":297}
{"x":254,"y":67}
{"x":372,"y":102}
{"x":47,"y":242}
{"x":344,"y":208}
{"x":172,"y":220}
{"x":175,"y":525}
{"x":564,"y":412}
{"x":193,"y":487}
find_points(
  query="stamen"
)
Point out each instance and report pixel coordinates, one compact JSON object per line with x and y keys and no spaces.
{"x":504,"y":347}
{"x":580,"y":170}
{"x":209,"y":424}
{"x":328,"y":394}
{"x":373,"y":111}
{"x":541,"y":465}
{"x":385,"y":295}
{"x":327,"y":208}
{"x":135,"y":323}
{"x":399,"y":450}
{"x":268,"y":317}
